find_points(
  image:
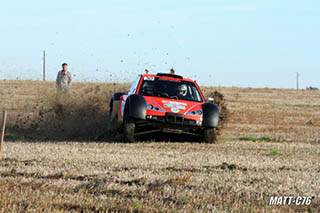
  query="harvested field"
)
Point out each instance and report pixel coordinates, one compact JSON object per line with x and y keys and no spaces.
{"x":64,"y":159}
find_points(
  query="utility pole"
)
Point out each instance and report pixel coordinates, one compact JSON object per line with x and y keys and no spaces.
{"x":3,"y":131}
{"x":44,"y":65}
{"x":297,"y":80}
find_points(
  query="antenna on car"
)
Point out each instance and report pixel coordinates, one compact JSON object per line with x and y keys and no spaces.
{"x":146,"y":71}
{"x":172,"y":71}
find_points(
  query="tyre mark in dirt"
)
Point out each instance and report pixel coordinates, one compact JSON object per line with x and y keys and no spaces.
{"x":13,"y":162}
{"x":34,"y":185}
{"x":95,"y":178}
{"x":14,"y":173}
{"x":73,"y":207}
{"x":205,"y":169}
{"x":58,"y":176}
{"x":70,"y":207}
{"x":101,"y":188}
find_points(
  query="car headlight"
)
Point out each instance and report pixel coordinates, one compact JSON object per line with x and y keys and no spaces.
{"x":197,"y":112}
{"x":151,"y":107}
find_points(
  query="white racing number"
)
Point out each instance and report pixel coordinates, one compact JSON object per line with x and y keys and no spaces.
{"x":148,"y":78}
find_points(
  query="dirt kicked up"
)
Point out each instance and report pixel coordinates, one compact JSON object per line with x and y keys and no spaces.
{"x":82,"y":116}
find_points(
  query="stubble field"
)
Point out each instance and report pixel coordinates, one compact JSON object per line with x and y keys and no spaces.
{"x":62,"y":158}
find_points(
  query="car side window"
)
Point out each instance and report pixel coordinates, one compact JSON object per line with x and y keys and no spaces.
{"x":134,"y":86}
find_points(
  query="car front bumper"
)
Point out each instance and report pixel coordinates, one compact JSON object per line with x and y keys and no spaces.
{"x":170,"y":123}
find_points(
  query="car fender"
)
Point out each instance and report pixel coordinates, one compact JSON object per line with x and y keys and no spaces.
{"x":117,"y":96}
{"x":123,"y":100}
{"x":211,"y":115}
{"x":136,"y":107}
{"x":114,"y":105}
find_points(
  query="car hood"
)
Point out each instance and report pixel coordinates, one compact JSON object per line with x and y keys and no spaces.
{"x":172,"y":105}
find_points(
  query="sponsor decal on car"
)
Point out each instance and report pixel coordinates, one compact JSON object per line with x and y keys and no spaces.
{"x":175,"y":107}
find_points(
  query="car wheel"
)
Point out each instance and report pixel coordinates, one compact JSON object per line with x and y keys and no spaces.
{"x":209,"y":135}
{"x":111,"y":122}
{"x":113,"y":115}
{"x":129,"y":128}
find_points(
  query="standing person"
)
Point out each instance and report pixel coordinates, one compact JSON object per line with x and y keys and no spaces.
{"x":63,"y":82}
{"x":172,"y":71}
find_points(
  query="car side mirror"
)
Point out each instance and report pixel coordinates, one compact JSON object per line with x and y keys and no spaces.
{"x":210,"y":99}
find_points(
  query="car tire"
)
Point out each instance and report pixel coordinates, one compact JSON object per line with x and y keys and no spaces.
{"x":111,"y":120}
{"x":209,"y":135}
{"x":129,"y":128}
{"x":113,"y":123}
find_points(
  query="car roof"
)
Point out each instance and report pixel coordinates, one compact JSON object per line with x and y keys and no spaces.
{"x":168,"y":76}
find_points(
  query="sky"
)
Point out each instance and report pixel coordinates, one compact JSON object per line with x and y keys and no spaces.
{"x":247,"y":43}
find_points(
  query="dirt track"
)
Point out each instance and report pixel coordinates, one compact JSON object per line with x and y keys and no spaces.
{"x":269,"y":146}
{"x":156,"y":176}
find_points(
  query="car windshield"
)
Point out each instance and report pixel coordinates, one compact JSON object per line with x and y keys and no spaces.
{"x":180,"y":90}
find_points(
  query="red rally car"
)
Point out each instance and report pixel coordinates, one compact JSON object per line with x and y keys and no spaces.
{"x":165,"y":103}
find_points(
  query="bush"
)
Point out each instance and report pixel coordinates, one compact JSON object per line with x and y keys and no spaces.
{"x":312,"y":88}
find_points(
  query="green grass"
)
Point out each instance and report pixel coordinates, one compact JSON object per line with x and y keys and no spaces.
{"x":275,"y":153}
{"x":105,"y":165}
{"x":68,"y":163}
{"x":246,"y":138}
{"x":9,"y":137}
{"x":149,"y":141}
{"x":137,"y":205}
{"x":301,"y":105}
